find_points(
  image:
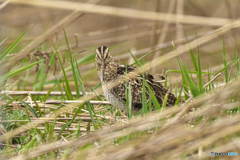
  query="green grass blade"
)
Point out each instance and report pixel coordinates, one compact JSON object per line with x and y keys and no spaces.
{"x":58,"y":84}
{"x":81,"y":85}
{"x":48,"y":93}
{"x":81,"y":51}
{"x":154,"y":99}
{"x":26,"y":78}
{"x":150,"y":107}
{"x":95,"y":115}
{"x":88,"y":104}
{"x":76,"y":83}
{"x":35,"y":83}
{"x":6,"y":104}
{"x":135,"y":59}
{"x":3,"y":41}
{"x":143,"y":56}
{"x":179,"y":95}
{"x":43,"y":77}
{"x":86,"y":59}
{"x":192,"y":72}
{"x":129,"y":101}
{"x":116,"y":46}
{"x":166,"y":78}
{"x":78,"y":129}
{"x":236,"y":64}
{"x":140,"y":112}
{"x":144,"y":102}
{"x":230,"y":73}
{"x":97,"y":86}
{"x":170,"y":83}
{"x":73,"y":68}
{"x":194,"y":90}
{"x":225,"y":63}
{"x":225,"y":67}
{"x":99,"y":98}
{"x":51,"y":131}
{"x":200,"y":83}
{"x":127,"y":97}
{"x":68,"y":124}
{"x":209,"y":78}
{"x":192,"y":55}
{"x":28,"y":116}
{"x":4,"y":54}
{"x":17,"y":71}
{"x":176,"y":87}
{"x":65,"y":89}
{"x":68,"y":89}
{"x":165,"y":102}
{"x":39,"y":110}
{"x":184,"y":83}
{"x":189,"y":69}
{"x":91,"y":115}
{"x":30,"y":108}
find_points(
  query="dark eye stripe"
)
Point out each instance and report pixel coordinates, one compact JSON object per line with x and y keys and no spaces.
{"x":106,"y":56}
{"x":104,"y":48}
{"x":99,"y":49}
{"x":102,"y":52}
{"x":98,"y":56}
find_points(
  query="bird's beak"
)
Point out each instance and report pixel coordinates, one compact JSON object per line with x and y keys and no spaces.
{"x":103,"y":69}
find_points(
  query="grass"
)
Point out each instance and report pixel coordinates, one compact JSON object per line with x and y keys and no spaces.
{"x":98,"y":131}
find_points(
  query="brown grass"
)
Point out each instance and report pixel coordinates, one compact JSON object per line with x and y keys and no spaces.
{"x":169,"y":134}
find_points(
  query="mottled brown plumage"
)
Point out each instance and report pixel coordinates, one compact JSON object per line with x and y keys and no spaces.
{"x":111,"y":72}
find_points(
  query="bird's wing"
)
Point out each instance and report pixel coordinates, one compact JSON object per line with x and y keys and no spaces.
{"x":136,"y":91}
{"x":136,"y":87}
{"x":121,"y":69}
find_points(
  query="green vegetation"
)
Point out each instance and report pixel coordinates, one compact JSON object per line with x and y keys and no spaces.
{"x":83,"y":123}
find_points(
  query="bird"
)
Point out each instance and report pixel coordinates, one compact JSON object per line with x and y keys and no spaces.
{"x":113,"y":77}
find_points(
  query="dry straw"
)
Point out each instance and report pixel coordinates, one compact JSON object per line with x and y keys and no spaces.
{"x":205,"y":38}
{"x":113,"y":11}
{"x":172,"y":138}
{"x":169,"y":141}
{"x":123,"y":12}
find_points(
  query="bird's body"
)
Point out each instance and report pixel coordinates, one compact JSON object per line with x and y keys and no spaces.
{"x":113,"y":78}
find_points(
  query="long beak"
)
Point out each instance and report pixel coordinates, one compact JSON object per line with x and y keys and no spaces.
{"x":103,"y":69}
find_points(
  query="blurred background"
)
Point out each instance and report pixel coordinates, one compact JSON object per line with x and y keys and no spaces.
{"x":88,"y":31}
{"x":167,"y":28}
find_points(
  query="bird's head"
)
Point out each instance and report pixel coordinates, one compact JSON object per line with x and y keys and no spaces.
{"x":103,"y":57}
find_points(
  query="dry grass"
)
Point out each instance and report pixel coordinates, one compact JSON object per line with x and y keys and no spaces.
{"x":171,"y":138}
{"x":209,"y":122}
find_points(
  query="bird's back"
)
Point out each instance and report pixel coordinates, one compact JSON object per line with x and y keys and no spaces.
{"x":115,"y":78}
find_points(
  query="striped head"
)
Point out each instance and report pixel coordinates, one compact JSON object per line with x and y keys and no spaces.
{"x":102,"y":58}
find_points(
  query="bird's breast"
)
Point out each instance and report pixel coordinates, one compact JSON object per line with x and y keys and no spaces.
{"x":113,"y":99}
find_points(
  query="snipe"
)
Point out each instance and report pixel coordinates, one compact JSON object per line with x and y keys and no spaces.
{"x":111,"y":72}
